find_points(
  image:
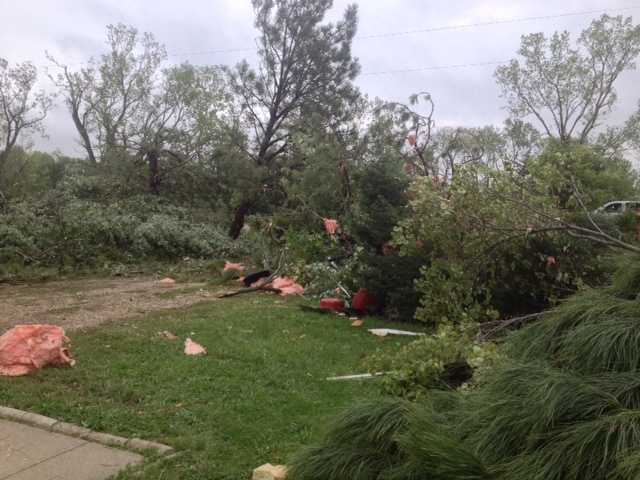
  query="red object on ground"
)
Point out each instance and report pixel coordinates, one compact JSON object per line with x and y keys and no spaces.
{"x":363,"y":301}
{"x":27,"y":348}
{"x":332,"y":304}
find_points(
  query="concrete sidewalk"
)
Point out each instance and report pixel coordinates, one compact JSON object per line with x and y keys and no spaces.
{"x":29,"y":453}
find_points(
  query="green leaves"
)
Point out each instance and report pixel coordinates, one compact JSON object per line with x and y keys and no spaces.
{"x":569,"y":89}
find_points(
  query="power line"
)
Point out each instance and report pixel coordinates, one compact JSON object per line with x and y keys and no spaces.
{"x":435,"y":29}
{"x":210,"y":52}
{"x":437,"y":67}
{"x":496,"y":22}
{"x":424,"y":30}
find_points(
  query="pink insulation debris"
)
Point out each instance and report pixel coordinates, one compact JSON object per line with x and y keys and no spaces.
{"x":233,"y":266}
{"x":331,"y":226}
{"x":287,"y":286}
{"x":192,"y":348}
{"x":27,"y":348}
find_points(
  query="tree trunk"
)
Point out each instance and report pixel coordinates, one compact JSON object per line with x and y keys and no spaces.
{"x":154,"y":172}
{"x":238,"y":219}
{"x":4,"y":154}
{"x":84,"y":135}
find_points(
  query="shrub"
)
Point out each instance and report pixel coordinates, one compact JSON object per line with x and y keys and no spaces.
{"x":444,"y":360}
{"x":62,"y":230}
{"x":483,"y":247}
{"x":391,"y":279}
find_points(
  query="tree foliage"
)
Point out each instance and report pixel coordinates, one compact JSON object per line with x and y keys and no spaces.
{"x":306,"y":70}
{"x":22,"y":108}
{"x":569,"y":89}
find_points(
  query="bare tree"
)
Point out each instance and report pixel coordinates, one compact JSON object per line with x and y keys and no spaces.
{"x":568,"y":89}
{"x":79,"y":96}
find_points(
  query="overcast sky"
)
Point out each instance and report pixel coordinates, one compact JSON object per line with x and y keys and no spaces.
{"x":74,"y":30}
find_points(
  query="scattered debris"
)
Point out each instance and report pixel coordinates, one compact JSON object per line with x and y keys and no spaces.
{"x":260,"y":287}
{"x":238,"y":267}
{"x":332,"y":304}
{"x":262,"y":282}
{"x":363,"y":301}
{"x":331,"y":226}
{"x":166,"y":334}
{"x":343,"y":290}
{"x":270,"y":472}
{"x":27,"y":348}
{"x":287,"y":286}
{"x":167,"y":282}
{"x":193,"y":349}
{"x":253,"y":278}
{"x":383,"y":332}
{"x":362,"y":376}
{"x":357,"y":323}
{"x":281,"y":285}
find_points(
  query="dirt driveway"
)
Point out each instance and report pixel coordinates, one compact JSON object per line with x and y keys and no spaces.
{"x":86,"y":303}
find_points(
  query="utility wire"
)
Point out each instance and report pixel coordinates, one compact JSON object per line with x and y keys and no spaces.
{"x":425,"y":30}
{"x":496,"y":22}
{"x":435,"y":29}
{"x":438,"y":67}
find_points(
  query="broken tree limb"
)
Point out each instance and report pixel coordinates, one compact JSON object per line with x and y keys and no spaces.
{"x":263,"y":288}
{"x":496,"y":327}
{"x":264,"y":285}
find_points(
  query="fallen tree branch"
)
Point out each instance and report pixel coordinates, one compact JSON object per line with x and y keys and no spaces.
{"x":582,"y":232}
{"x":504,"y":324}
{"x":263,"y":288}
{"x":264,"y":285}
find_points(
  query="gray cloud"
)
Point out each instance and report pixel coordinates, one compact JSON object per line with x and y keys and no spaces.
{"x":73,"y":31}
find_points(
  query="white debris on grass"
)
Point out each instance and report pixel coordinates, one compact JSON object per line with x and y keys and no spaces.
{"x":361,"y":376}
{"x":383,"y":332}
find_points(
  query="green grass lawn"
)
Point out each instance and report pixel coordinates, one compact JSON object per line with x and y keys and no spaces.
{"x":256,"y":397}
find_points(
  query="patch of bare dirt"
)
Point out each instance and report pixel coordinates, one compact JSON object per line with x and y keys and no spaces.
{"x":87,"y":303}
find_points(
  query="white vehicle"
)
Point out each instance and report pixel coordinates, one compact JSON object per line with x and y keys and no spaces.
{"x":618,"y":207}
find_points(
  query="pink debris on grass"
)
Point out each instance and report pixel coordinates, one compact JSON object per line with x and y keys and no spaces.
{"x":27,"y":348}
{"x":287,"y":286}
{"x":238,"y":267}
{"x":192,"y":348}
{"x":167,"y":282}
